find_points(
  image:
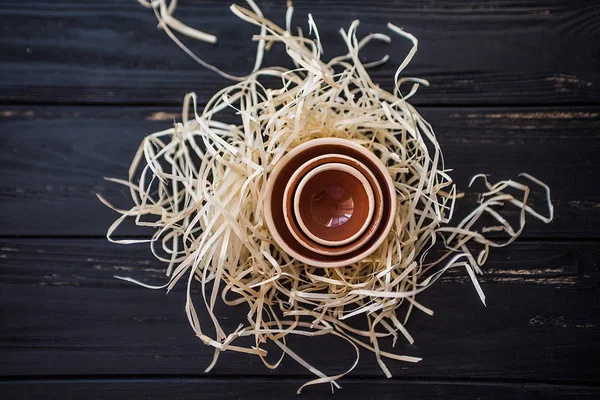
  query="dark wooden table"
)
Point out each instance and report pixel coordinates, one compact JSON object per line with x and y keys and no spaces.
{"x":515,"y":86}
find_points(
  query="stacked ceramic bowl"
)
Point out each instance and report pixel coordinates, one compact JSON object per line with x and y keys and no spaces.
{"x":330,"y":202}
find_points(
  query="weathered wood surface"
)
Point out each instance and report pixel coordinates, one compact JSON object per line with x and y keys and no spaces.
{"x":53,"y":160}
{"x":64,"y":314}
{"x":260,"y":388}
{"x":473,"y":52}
{"x":514,"y":89}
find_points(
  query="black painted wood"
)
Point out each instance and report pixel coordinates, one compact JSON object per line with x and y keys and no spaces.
{"x":63,"y":314}
{"x":227,"y":389}
{"x":53,"y":160}
{"x":473,"y":52}
{"x":516,"y":83}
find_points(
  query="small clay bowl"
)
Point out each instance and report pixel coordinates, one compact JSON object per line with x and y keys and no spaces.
{"x":283,"y":171}
{"x":334,"y":204}
{"x":292,"y":221}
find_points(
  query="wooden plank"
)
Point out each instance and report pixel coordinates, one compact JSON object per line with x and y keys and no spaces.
{"x":473,"y":52}
{"x":91,"y":389}
{"x":63,"y":314}
{"x":53,"y":160}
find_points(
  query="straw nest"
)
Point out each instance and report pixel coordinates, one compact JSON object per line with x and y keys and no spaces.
{"x":201,"y":185}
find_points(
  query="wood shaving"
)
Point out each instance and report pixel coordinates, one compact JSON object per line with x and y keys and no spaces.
{"x":201,"y":186}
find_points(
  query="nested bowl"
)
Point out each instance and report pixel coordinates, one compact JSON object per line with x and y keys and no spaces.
{"x":341,"y":238}
{"x":287,"y":209}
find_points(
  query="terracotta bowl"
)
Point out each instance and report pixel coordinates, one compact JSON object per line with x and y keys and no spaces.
{"x":334,"y":204}
{"x":323,"y":246}
{"x":276,"y":188}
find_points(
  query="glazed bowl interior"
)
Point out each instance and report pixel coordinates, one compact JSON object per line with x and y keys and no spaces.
{"x":334,"y":204}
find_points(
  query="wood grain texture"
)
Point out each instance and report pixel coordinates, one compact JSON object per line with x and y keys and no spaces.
{"x":514,"y":89}
{"x":63,"y":314}
{"x":473,"y":52}
{"x":53,"y":160}
{"x":227,"y":389}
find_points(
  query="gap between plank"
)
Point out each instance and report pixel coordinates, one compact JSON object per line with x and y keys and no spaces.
{"x":529,"y":239}
{"x":199,"y":378}
{"x":4,"y":102}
